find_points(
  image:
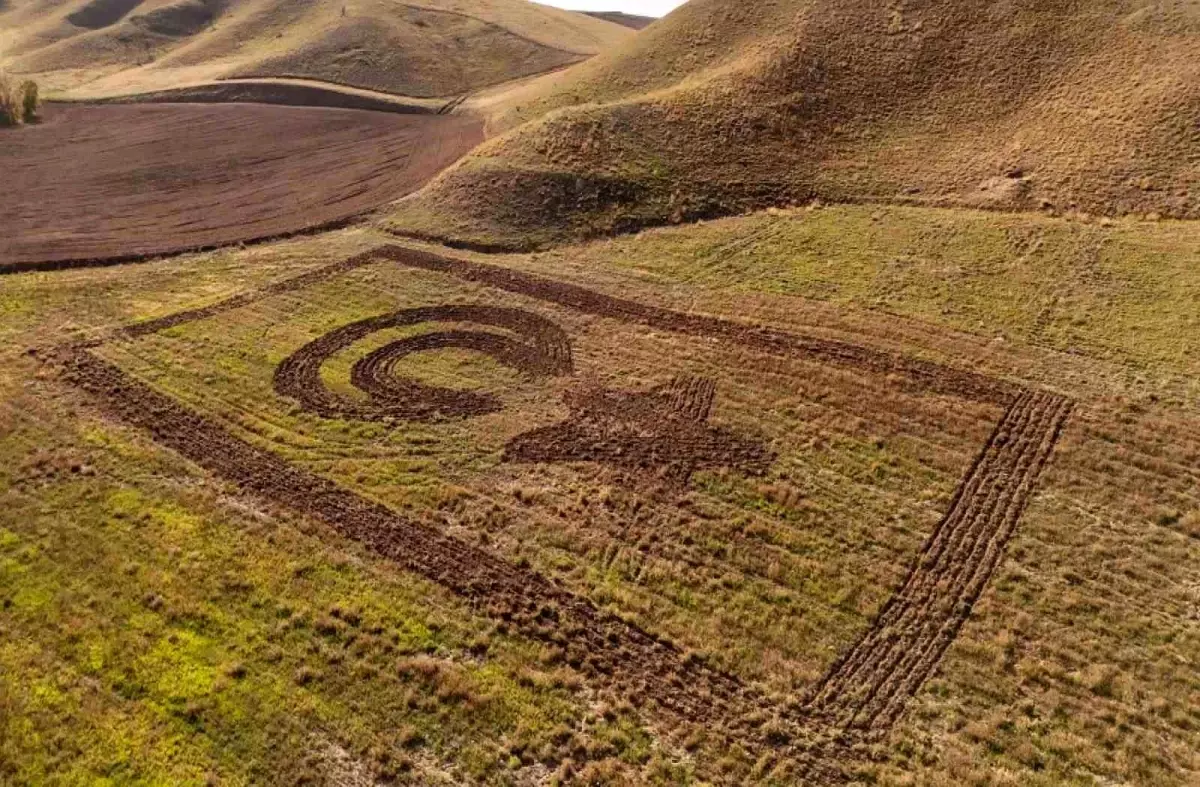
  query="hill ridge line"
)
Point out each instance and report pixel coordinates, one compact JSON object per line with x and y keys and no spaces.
{"x":510,"y":31}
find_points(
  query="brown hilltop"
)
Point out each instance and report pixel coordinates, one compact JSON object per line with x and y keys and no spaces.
{"x":425,"y":48}
{"x":723,"y":107}
{"x":628,"y":20}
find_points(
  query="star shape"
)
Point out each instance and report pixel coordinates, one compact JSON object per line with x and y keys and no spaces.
{"x":663,"y":431}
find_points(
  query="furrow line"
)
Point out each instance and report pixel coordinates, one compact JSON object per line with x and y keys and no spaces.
{"x":868,"y":688}
{"x":887,"y":715}
{"x":977,"y":559}
{"x":919,"y":577}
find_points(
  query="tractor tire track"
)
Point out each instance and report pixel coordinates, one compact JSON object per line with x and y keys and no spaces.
{"x":868,"y":687}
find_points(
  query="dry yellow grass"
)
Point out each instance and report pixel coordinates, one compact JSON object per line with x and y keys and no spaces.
{"x":724,"y":107}
{"x":629,"y":20}
{"x":433,"y":48}
{"x":31,"y":100}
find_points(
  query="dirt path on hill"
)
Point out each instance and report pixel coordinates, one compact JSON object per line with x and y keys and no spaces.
{"x":279,"y":92}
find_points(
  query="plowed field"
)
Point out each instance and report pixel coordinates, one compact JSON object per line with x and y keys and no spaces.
{"x":108,"y":183}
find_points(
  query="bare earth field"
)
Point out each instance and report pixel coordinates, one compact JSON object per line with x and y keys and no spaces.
{"x":284,"y":92}
{"x":118,"y":182}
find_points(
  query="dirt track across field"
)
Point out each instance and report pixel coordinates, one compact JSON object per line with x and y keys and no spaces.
{"x":913,"y":372}
{"x":283,"y":92}
{"x":868,"y":687}
{"x":862,"y":694}
{"x":100,"y":184}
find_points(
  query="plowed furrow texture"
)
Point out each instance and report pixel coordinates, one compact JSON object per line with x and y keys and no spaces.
{"x":865,"y":691}
{"x":869,"y":685}
{"x":163,"y":179}
{"x":540,"y":349}
{"x":653,"y":434}
{"x":692,"y":397}
{"x":598,"y":642}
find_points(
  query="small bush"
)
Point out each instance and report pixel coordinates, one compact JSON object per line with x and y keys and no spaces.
{"x":19,"y":101}
{"x":30,"y":100}
{"x":11,"y":113}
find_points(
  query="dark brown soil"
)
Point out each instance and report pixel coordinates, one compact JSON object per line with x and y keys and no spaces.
{"x":288,"y":94}
{"x":865,"y":691}
{"x":98,"y":183}
{"x":541,"y":349}
{"x":662,"y":433}
{"x":870,"y":684}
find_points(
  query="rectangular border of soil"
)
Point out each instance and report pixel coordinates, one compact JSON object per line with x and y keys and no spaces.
{"x":864,"y":692}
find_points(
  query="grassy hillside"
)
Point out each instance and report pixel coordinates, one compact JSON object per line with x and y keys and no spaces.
{"x":169,"y":626}
{"x":435,"y":48}
{"x":721,"y":107}
{"x":154,"y":629}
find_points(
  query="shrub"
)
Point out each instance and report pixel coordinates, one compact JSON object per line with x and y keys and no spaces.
{"x":19,"y":101}
{"x":10,"y":102}
{"x":30,"y":100}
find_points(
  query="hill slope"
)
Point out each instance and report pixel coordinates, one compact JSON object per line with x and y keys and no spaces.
{"x":629,"y":20}
{"x":426,"y":49}
{"x":724,"y":107}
